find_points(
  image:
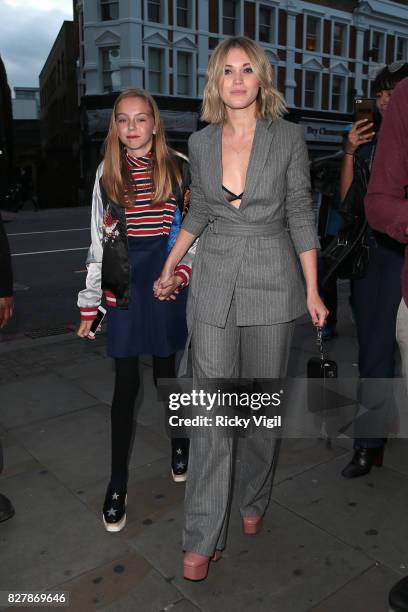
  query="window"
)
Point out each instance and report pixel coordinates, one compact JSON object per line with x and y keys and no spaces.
{"x":156,"y":69}
{"x":266,"y":24}
{"x":154,"y":12}
{"x":229,"y":17}
{"x":184,"y":74}
{"x":401,"y":51}
{"x":377,"y":47}
{"x":183,"y":14}
{"x":339,"y":39}
{"x":312,"y":33}
{"x":109,"y":10}
{"x":338,"y":88}
{"x":110,"y":69}
{"x":311,"y":89}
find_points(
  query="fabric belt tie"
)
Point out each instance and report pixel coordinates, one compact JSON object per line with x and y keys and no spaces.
{"x":229,"y":228}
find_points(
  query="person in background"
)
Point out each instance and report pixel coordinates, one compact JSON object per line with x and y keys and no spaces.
{"x":386,"y":208}
{"x":6,"y":312}
{"x":376,"y":296}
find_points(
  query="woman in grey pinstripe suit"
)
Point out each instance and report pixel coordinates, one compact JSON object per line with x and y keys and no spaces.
{"x":250,"y":176}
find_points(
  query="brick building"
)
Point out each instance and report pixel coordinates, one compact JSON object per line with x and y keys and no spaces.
{"x":323,"y":52}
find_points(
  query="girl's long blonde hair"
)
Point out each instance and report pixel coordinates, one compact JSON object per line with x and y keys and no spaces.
{"x":270,"y":102}
{"x":116,"y":176}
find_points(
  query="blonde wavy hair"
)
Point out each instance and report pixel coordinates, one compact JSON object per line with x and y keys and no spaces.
{"x":116,"y":177}
{"x":270,"y":102}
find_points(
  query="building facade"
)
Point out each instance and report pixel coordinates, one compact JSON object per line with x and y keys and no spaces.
{"x":26,"y":139}
{"x":324,"y":53}
{"x":59,"y":113}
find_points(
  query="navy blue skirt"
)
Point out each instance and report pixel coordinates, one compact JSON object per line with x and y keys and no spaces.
{"x":148,"y":326}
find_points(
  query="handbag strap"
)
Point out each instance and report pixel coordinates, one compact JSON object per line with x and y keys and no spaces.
{"x":319,"y":342}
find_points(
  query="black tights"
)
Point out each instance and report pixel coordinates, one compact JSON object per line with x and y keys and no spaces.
{"x":127,"y":384}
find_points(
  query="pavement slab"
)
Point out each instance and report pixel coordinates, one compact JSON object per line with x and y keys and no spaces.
{"x":152,"y":594}
{"x":16,"y":458}
{"x":308,"y":563}
{"x":51,"y":536}
{"x":368,"y":513}
{"x":39,"y":398}
{"x":108,"y":584}
{"x":369,"y":591}
{"x":299,"y":455}
{"x":76,"y":446}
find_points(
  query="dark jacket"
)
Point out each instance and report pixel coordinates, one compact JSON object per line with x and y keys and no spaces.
{"x":6,"y":273}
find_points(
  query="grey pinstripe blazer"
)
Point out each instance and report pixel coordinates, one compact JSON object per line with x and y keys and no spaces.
{"x":262,"y":271}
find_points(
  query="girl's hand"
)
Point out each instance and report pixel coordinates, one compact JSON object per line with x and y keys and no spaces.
{"x":360,"y":133}
{"x":84,"y":329}
{"x":317,"y":309}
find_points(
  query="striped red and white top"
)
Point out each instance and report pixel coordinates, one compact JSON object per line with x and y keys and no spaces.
{"x":143,"y":219}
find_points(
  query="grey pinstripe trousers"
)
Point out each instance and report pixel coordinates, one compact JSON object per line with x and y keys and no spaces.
{"x":260,"y":351}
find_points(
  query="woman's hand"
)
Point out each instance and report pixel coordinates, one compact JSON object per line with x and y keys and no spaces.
{"x":360,"y":133}
{"x":84,"y":329}
{"x":317,"y":309}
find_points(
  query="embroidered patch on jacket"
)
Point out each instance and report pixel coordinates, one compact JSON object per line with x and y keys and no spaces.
{"x":109,"y":229}
{"x":186,"y":200}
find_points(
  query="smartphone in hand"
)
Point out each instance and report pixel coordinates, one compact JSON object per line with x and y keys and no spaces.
{"x":364,"y":108}
{"x":100,"y":315}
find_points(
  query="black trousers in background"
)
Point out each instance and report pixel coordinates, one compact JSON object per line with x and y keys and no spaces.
{"x":127,"y":385}
{"x":376,"y":299}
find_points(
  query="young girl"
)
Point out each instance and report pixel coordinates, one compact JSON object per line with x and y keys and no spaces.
{"x":140,"y":192}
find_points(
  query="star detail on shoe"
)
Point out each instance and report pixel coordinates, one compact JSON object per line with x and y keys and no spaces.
{"x":115,"y":496}
{"x":179,"y":451}
{"x":111,"y":512}
{"x":180,"y":465}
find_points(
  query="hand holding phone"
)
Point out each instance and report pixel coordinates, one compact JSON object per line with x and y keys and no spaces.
{"x":100,"y":315}
{"x":364,"y":108}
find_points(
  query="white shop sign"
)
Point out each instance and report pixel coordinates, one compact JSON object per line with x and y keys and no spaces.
{"x":323,"y":131}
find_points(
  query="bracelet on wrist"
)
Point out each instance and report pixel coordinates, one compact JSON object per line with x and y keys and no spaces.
{"x":348,"y":153}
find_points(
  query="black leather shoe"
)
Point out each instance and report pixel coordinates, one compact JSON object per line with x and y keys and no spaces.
{"x":398,"y":597}
{"x":6,"y":508}
{"x":362,"y":462}
{"x":114,"y":509}
{"x":179,"y":458}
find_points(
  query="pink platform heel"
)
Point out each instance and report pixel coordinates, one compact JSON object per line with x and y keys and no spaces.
{"x":195,"y":566}
{"x":252,"y":525}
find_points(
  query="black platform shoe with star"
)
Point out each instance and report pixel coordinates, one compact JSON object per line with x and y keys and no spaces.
{"x":179,"y":458}
{"x":114,"y":509}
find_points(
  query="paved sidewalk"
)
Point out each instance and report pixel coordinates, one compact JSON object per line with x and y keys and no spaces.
{"x":328,"y":545}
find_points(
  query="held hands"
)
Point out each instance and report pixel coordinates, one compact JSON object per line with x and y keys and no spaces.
{"x":167,"y":286}
{"x":360,"y":133}
{"x":317,"y":309}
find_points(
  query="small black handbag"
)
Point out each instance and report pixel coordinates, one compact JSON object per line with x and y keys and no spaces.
{"x":348,"y":253}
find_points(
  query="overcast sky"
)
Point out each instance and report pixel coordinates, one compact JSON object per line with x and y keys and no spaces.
{"x":28,"y":29}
